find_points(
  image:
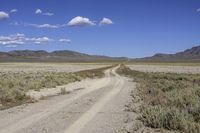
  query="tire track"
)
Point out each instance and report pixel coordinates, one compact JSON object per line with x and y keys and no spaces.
{"x":78,"y":125}
{"x":26,"y":122}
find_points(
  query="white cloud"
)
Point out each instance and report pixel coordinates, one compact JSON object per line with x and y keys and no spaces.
{"x":16,"y":39}
{"x":15,"y":23}
{"x":106,"y":21}
{"x":65,"y":40}
{"x":48,"y":26}
{"x":45,"y":26}
{"x":48,"y":14}
{"x":38,"y":11}
{"x":3,"y":15}
{"x":80,"y":21}
{"x":40,"y":40}
{"x":13,"y":10}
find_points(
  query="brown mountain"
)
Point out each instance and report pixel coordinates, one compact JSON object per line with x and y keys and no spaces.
{"x":55,"y":56}
{"x":192,"y":54}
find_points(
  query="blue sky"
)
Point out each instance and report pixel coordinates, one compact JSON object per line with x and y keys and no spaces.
{"x":132,"y":28}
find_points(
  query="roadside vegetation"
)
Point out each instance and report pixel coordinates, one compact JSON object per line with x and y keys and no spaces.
{"x":165,"y":63}
{"x":169,"y":101}
{"x":13,"y":86}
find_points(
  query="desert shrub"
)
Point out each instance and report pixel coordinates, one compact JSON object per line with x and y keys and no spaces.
{"x":169,"y":118}
{"x":158,"y":117}
{"x":18,"y":94}
{"x":170,"y":100}
{"x":7,"y":96}
{"x":63,"y":91}
{"x":13,"y":86}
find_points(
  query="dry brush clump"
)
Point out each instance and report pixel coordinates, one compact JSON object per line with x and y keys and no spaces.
{"x":170,"y":101}
{"x":13,"y":86}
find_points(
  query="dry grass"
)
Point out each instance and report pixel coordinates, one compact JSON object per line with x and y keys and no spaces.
{"x":170,"y":101}
{"x":49,"y":67}
{"x":13,"y":86}
{"x":166,"y":63}
{"x":173,"y":68}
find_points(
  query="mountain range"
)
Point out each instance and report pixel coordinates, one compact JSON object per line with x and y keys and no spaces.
{"x":192,"y":54}
{"x":55,"y":56}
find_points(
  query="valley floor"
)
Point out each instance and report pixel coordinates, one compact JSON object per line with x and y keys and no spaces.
{"x":123,"y":101}
{"x":96,"y":108}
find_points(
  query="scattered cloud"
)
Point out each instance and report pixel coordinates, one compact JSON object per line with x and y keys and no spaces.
{"x":48,"y":14}
{"x":18,"y":39}
{"x":3,"y":15}
{"x":15,"y":40}
{"x":106,"y":21}
{"x":11,"y":40}
{"x":80,"y":21}
{"x":65,"y":40}
{"x":46,"y":26}
{"x":42,"y":40}
{"x":38,"y":11}
{"x":198,"y":10}
{"x":13,"y":10}
{"x":15,"y":23}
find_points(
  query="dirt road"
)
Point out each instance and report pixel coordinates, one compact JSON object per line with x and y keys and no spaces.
{"x":95,"y":107}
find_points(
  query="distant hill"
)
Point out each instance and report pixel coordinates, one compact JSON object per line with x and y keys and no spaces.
{"x":192,"y":54}
{"x":55,"y":56}
{"x":189,"y":55}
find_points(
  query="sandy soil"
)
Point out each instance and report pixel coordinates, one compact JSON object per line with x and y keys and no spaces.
{"x":174,"y":69}
{"x":96,"y":108}
{"x":48,"y":92}
{"x":47,"y":67}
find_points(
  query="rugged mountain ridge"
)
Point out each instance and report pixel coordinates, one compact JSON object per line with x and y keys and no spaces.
{"x":192,"y":54}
